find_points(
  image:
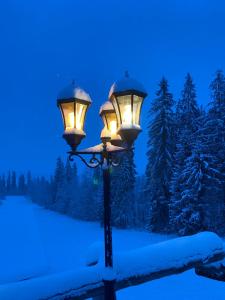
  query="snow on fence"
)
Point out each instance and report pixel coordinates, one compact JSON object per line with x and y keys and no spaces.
{"x":131,"y":268}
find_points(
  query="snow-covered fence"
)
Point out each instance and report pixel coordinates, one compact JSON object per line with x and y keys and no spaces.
{"x":131,"y":268}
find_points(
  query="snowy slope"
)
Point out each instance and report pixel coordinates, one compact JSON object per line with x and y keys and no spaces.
{"x":49,"y":242}
{"x":21,"y":253}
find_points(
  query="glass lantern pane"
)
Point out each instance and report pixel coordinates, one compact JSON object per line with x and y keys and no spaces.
{"x":125,"y":109}
{"x":68,"y":115}
{"x":104,"y":120}
{"x":111,"y":122}
{"x":80,"y":114}
{"x":137,"y":101}
{"x":115,"y":105}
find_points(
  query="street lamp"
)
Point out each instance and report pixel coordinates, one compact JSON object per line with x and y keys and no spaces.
{"x":73,"y":103}
{"x":127,"y":96}
{"x":109,"y":132}
{"x":121,"y":118}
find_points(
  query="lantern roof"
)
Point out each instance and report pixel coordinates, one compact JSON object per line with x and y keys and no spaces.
{"x":107,"y":106}
{"x":126,"y":84}
{"x":73,"y":91}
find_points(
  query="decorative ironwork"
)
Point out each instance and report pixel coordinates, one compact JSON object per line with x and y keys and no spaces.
{"x":109,"y":157}
{"x":93,"y":162}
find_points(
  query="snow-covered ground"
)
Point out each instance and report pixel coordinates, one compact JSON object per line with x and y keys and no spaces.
{"x":35,"y":241}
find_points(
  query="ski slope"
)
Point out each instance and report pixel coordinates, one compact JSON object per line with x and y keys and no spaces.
{"x":35,"y":241}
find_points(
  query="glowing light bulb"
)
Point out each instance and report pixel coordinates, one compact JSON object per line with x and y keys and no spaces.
{"x":113,"y":127}
{"x":127,"y":116}
{"x":71,"y":120}
{"x":78,"y":117}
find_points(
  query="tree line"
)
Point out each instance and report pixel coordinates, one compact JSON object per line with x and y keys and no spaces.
{"x":13,"y":184}
{"x":183,"y":188}
{"x":81,"y":196}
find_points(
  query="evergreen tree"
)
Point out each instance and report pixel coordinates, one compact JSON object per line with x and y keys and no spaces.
{"x":160,"y":158}
{"x":71,"y":188}
{"x":122,"y":191}
{"x":213,"y":197}
{"x":75,"y":192}
{"x":58,"y":197}
{"x":86,"y":207}
{"x":97,"y":186}
{"x":198,"y":182}
{"x":212,"y":141}
{"x":141,"y":210}
{"x":187,"y":123}
{"x":188,"y":207}
{"x":217,"y":104}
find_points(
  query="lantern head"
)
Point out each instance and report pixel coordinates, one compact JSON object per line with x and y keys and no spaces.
{"x":73,"y":103}
{"x":127,"y":97}
{"x":110,"y":129}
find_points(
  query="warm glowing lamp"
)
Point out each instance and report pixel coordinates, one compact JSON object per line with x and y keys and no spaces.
{"x":73,"y":103}
{"x":127,"y":97}
{"x":109,"y":118}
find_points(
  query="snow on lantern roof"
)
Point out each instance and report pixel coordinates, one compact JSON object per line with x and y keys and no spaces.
{"x":126,"y":84}
{"x":73,"y":91}
{"x":107,"y":106}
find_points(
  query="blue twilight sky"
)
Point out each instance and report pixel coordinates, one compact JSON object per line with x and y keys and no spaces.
{"x":46,"y":43}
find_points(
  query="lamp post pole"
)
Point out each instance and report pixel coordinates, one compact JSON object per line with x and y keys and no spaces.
{"x":108,"y":158}
{"x":108,"y":284}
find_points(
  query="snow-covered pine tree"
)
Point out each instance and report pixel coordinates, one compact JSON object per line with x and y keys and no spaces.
{"x":71,"y":188}
{"x":212,"y":138}
{"x":86,"y":209}
{"x":160,"y":158}
{"x":217,"y":103}
{"x":201,"y":179}
{"x":209,"y":180}
{"x":90,"y":204}
{"x":200,"y":184}
{"x":187,"y":122}
{"x":122,"y":191}
{"x":59,"y":199}
{"x":97,"y":186}
{"x":68,"y":188}
{"x":193,"y":181}
{"x":141,"y":210}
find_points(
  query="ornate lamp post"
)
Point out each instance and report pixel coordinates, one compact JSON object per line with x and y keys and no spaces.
{"x":121,"y":118}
